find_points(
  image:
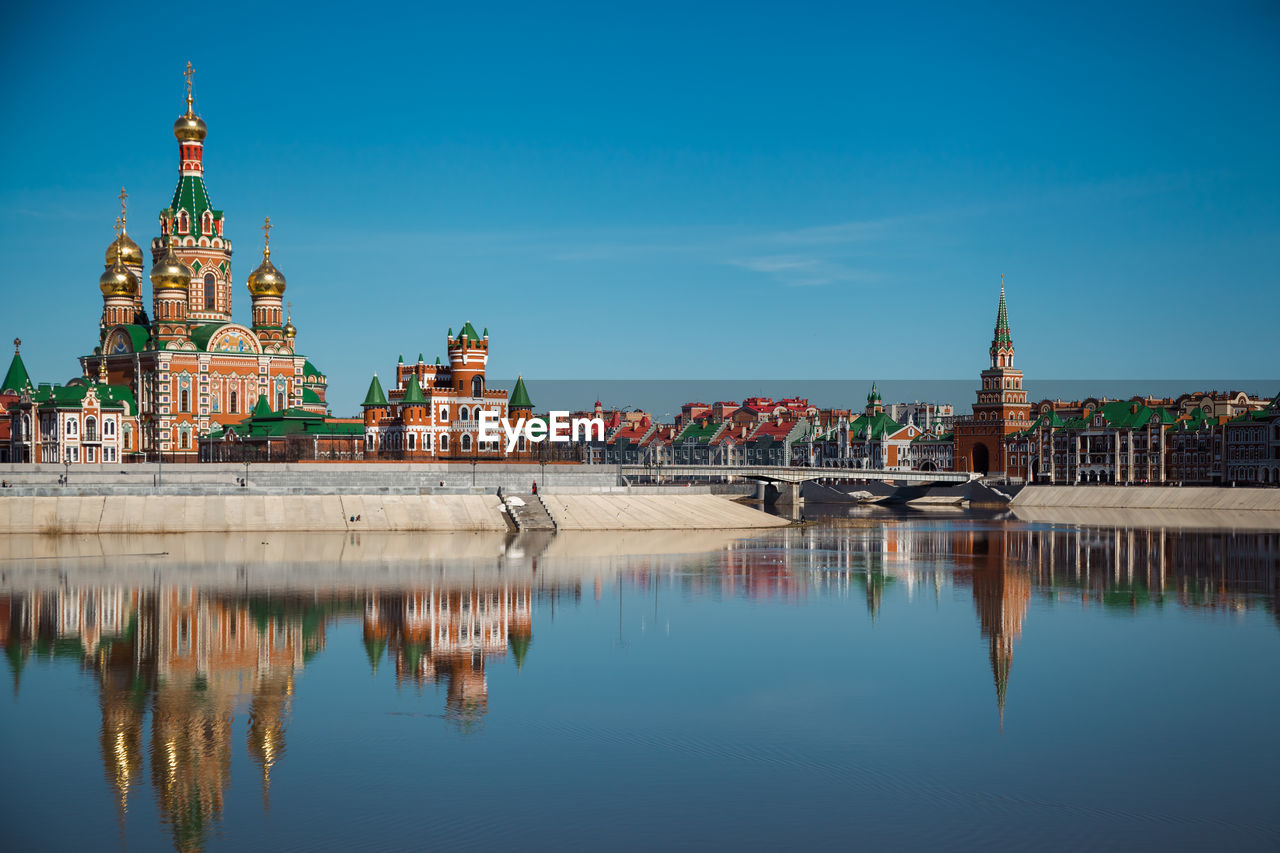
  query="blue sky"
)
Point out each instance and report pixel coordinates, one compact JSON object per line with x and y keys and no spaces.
{"x":688,"y":190}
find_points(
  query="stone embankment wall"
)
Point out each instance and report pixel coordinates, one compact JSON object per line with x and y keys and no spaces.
{"x":1150,"y":497}
{"x":239,"y":513}
{"x":111,"y":514}
{"x":654,"y":512}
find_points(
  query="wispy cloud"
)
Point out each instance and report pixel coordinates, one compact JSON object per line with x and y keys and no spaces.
{"x":801,"y":271}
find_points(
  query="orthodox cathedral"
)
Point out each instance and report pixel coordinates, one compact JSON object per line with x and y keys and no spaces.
{"x":187,"y":368}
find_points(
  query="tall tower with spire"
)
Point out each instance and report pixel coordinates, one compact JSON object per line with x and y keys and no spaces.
{"x":193,"y":227}
{"x":1001,"y":407}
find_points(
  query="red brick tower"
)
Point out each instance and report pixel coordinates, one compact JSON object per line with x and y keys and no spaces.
{"x":1001,"y":407}
{"x":468,"y":355}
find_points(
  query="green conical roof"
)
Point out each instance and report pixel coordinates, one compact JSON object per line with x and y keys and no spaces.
{"x":400,"y":360}
{"x":412,"y":394}
{"x":374,"y":649}
{"x":419,"y":358}
{"x":520,"y":396}
{"x":469,"y":332}
{"x":874,"y":396}
{"x":16,"y":379}
{"x":375,"y":397}
{"x":1003,"y":335}
{"x":437,"y":361}
{"x":260,"y":408}
{"x":520,"y":649}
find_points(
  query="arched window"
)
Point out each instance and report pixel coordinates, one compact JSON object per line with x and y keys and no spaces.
{"x":184,"y":400}
{"x":206,"y":224}
{"x":477,"y":386}
{"x":234,"y":406}
{"x":91,"y":429}
{"x":444,"y":415}
{"x":466,"y":442}
{"x":463,"y":413}
{"x":279,"y":401}
{"x":210,"y":291}
{"x":26,"y":426}
{"x":185,"y":440}
{"x":108,"y":427}
{"x":72,"y":426}
{"x":411,"y":442}
{"x":444,"y":443}
{"x":184,"y":222}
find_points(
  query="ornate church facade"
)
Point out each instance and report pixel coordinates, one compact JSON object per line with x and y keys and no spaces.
{"x":191,"y":367}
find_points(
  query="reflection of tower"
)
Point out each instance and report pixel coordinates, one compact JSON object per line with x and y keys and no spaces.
{"x":266,"y":725}
{"x":191,"y":758}
{"x":1001,"y":594}
{"x":122,"y":698}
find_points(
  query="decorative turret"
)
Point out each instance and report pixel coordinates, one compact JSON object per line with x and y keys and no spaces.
{"x":130,"y":256}
{"x":413,"y":405}
{"x":375,"y":403}
{"x":1002,"y":340}
{"x":16,"y":379}
{"x":468,"y":355}
{"x":266,"y":287}
{"x":119,"y":286}
{"x":874,"y":404}
{"x":170,"y":285}
{"x":193,"y":228}
{"x":520,"y":405}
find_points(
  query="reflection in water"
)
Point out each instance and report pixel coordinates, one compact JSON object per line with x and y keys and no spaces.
{"x":186,"y":659}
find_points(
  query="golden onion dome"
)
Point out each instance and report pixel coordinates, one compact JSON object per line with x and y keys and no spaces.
{"x":266,"y":280}
{"x":190,"y":127}
{"x":130,"y":254}
{"x":170,"y":273}
{"x":118,"y":280}
{"x":290,"y":330}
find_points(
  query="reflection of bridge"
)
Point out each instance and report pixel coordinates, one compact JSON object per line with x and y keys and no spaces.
{"x":794,"y":476}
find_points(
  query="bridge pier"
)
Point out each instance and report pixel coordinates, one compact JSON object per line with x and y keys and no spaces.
{"x":789,"y":494}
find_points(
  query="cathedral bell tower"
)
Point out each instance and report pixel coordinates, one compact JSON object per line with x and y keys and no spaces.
{"x":193,"y":228}
{"x":119,"y":286}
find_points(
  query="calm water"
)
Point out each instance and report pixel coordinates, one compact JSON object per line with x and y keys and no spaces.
{"x":904,"y":681}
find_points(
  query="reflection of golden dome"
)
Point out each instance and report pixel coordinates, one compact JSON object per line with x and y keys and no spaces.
{"x":118,"y":280}
{"x":266,"y":280}
{"x":190,"y":127}
{"x":170,"y":273}
{"x":130,"y":254}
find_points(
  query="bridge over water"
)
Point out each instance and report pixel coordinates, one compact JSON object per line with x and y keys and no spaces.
{"x":792,"y":477}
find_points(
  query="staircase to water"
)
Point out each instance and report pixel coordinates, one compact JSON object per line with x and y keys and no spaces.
{"x":528,"y":512}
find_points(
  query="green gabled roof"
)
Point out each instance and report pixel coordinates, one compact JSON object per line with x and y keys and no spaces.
{"x":72,"y":396}
{"x":413,"y":393}
{"x":874,"y":427}
{"x":520,"y":396}
{"x":699,"y":434}
{"x":309,"y":396}
{"x":17,"y":378}
{"x":309,"y":369}
{"x":469,"y":332}
{"x":375,"y":397}
{"x":200,"y":334}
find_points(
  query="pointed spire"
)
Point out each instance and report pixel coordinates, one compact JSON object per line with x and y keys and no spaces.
{"x":188,"y":74}
{"x":413,"y":393}
{"x":1002,"y":334}
{"x":375,"y":397}
{"x":16,"y":378}
{"x":520,"y":396}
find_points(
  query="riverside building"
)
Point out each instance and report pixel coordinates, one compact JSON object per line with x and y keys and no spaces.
{"x":181,"y":367}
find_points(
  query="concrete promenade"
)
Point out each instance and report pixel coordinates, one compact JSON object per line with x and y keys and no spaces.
{"x":1149,"y":497}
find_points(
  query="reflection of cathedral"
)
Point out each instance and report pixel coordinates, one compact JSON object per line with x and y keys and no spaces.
{"x":445,"y":635}
{"x":190,"y":659}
